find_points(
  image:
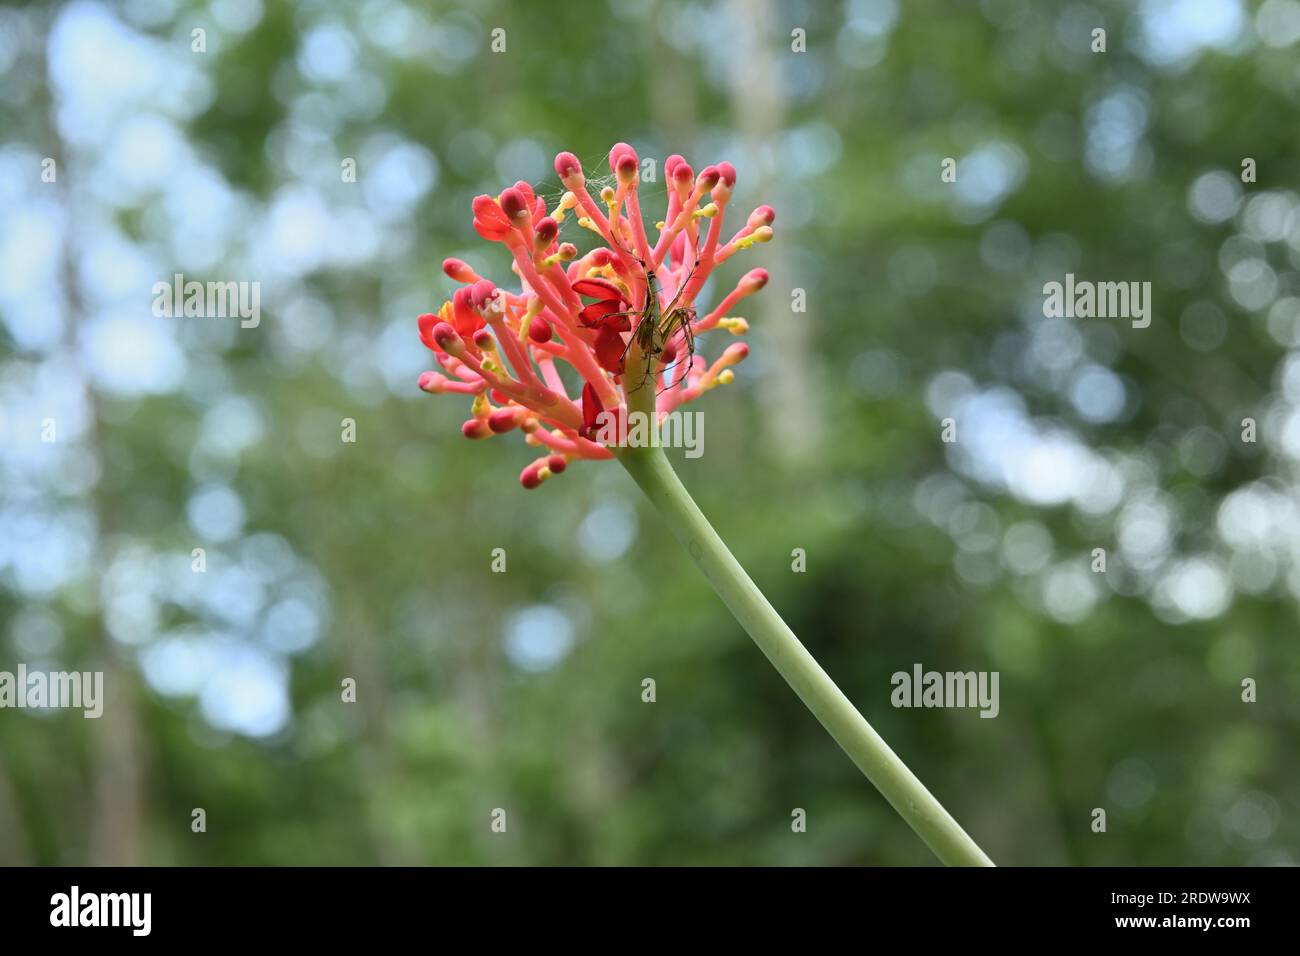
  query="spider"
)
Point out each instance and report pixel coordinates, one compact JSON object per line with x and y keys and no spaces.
{"x":657,"y":329}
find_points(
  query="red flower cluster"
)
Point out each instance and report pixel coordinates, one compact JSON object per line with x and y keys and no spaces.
{"x":502,"y":347}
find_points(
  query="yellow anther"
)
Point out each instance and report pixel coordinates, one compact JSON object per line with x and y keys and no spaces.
{"x":607,"y":196}
{"x":660,"y":225}
{"x":734,"y":326}
{"x":708,"y":212}
{"x":726,"y":377}
{"x":567,"y":202}
{"x":761,"y":234}
{"x":534,"y":307}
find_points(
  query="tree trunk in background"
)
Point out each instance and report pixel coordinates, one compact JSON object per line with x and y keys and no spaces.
{"x":117,"y":821}
{"x":115,"y":814}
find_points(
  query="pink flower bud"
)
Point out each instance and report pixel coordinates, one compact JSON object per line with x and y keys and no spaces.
{"x":557,"y":464}
{"x":539,"y":330}
{"x":483,"y":297}
{"x":569,"y":170}
{"x":547,"y":229}
{"x":447,"y":339}
{"x":483,"y":339}
{"x":475,"y":428}
{"x":530,"y":199}
{"x":617,"y":153}
{"x":709,"y":177}
{"x":531,"y":477}
{"x":753,"y":280}
{"x":515,"y":206}
{"x":762,"y":216}
{"x":459,"y":270}
{"x":432,"y":382}
{"x":627,"y":168}
{"x":503,"y":419}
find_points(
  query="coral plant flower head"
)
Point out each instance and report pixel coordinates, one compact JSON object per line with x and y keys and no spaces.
{"x":502,"y":347}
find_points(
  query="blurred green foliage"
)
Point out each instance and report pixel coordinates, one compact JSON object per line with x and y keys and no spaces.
{"x":829,"y":442}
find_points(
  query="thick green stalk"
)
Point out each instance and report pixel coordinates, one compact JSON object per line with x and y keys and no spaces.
{"x":650,"y":468}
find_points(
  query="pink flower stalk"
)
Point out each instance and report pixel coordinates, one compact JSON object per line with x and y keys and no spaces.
{"x":502,"y":347}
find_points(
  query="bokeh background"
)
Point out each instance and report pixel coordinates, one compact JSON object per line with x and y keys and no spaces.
{"x":371,"y":560}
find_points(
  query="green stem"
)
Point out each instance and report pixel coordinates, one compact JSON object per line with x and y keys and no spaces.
{"x":650,"y":468}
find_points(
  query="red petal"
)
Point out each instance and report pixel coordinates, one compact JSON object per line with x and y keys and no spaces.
{"x":426,"y":323}
{"x":467,"y":320}
{"x":590,"y":406}
{"x":598,"y":289}
{"x":488,"y":210}
{"x":489,"y":221}
{"x":609,"y":349}
{"x":594,"y":314}
{"x":490,"y":233}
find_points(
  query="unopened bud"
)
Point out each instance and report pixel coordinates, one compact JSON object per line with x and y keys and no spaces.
{"x":459,"y":270}
{"x":514,"y":206}
{"x":447,"y":339}
{"x":502,"y":420}
{"x":762,"y":216}
{"x":754,"y":280}
{"x":569,"y":170}
{"x":539,"y":330}
{"x":546,"y":230}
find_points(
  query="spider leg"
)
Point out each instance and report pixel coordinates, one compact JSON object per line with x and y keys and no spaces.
{"x":682,"y":365}
{"x":672,"y":306}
